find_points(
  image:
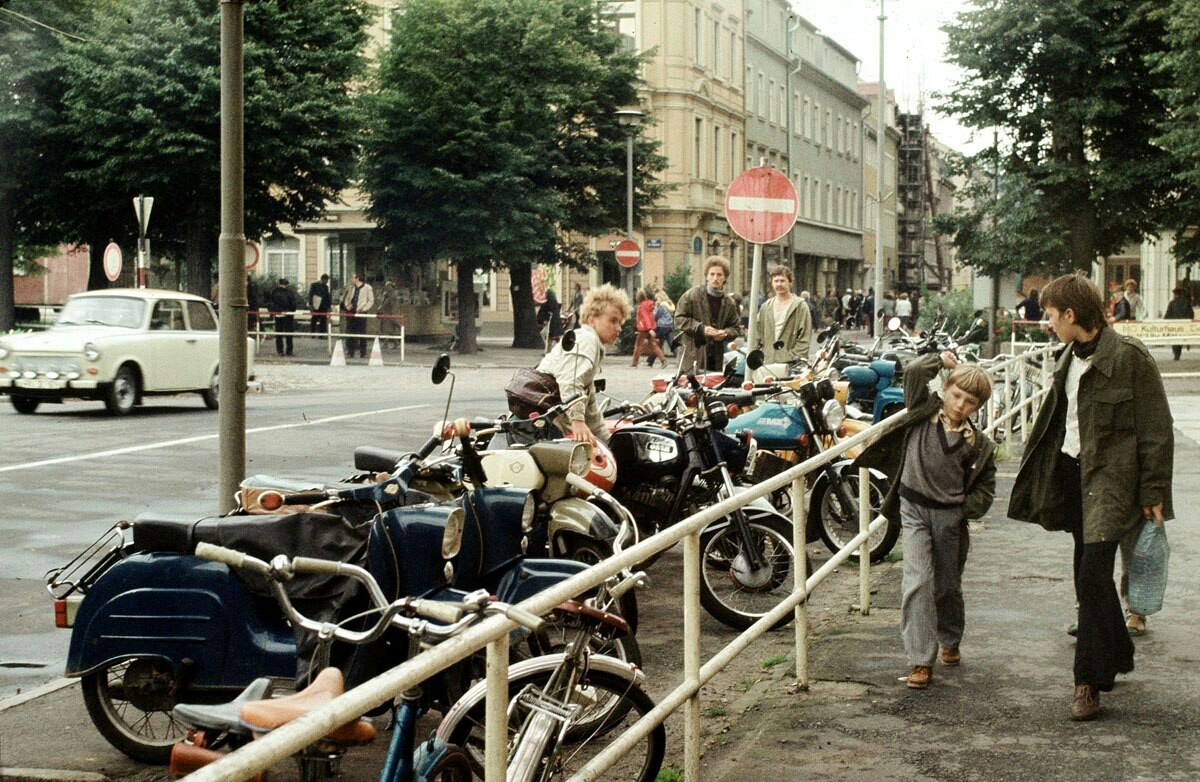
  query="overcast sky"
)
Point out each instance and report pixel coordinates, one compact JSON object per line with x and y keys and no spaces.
{"x":914,"y":47}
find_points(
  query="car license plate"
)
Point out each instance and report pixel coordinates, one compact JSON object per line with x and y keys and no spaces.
{"x":40,"y":382}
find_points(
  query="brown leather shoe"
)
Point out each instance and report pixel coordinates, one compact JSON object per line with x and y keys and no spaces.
{"x":1086,"y":705}
{"x":920,"y":677}
{"x":950,"y":656}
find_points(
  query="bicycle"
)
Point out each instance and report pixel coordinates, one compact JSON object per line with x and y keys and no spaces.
{"x":422,"y":621}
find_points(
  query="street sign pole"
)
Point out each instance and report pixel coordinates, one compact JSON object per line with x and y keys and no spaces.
{"x":756,"y":271}
{"x":141,"y":207}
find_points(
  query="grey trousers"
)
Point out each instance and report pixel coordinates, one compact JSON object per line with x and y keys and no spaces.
{"x":936,"y":542}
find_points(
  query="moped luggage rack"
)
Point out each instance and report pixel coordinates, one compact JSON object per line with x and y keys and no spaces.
{"x":81,"y":572}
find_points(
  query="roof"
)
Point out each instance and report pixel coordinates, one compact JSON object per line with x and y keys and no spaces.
{"x":140,"y":293}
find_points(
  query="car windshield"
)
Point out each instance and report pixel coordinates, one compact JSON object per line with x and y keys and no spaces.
{"x":102,"y":311}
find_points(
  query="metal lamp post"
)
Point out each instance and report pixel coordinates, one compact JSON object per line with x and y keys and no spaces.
{"x":880,"y":140}
{"x":630,"y":119}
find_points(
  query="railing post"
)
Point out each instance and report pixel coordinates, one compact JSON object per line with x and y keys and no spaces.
{"x":1023,"y":397}
{"x":691,"y":655}
{"x":402,"y":342}
{"x":864,"y":553}
{"x":495,"y":751}
{"x":800,"y":546}
{"x":1008,"y":404}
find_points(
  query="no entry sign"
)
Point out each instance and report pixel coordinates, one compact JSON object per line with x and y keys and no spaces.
{"x":761,"y":205}
{"x":628,"y":253}
{"x":112,"y":261}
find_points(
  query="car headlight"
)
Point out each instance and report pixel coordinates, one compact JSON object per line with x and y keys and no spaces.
{"x":527,"y":513}
{"x":832,"y":413}
{"x":91,"y":352}
{"x":453,"y":534}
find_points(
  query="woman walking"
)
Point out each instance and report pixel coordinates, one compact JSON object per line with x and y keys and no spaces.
{"x":647,"y":339}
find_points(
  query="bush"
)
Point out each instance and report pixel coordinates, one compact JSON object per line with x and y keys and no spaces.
{"x":677,"y":281}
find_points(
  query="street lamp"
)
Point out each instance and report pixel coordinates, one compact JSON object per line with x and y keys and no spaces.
{"x":880,"y":139}
{"x":630,"y":119}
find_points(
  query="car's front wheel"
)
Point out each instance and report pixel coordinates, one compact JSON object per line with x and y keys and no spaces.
{"x":211,"y":395}
{"x":24,"y":404}
{"x":122,"y":394}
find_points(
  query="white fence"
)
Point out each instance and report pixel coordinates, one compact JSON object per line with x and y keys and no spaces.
{"x":492,"y":633}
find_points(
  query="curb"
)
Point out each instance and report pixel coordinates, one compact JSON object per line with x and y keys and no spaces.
{"x":48,"y":775}
{"x":35,"y":693}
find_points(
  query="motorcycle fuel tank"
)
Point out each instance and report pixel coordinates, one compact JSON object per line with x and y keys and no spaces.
{"x":645,"y":453}
{"x":775,"y":425}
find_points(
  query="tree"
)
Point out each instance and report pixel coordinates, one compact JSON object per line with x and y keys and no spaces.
{"x":141,"y":116}
{"x":1180,"y":67}
{"x":493,"y":140}
{"x":1070,"y":89}
{"x":31,"y":36}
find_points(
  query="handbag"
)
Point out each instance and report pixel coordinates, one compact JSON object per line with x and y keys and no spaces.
{"x":531,"y":391}
{"x":1148,"y":570}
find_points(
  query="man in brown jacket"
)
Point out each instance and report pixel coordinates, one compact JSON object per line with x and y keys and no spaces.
{"x":708,"y":317}
{"x":1099,"y":460}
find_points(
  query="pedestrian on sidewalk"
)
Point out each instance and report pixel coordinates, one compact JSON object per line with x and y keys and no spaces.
{"x":359,"y":298}
{"x":1179,"y":308}
{"x":664,"y":322}
{"x":646,"y":342}
{"x":284,"y":304}
{"x":708,"y":317}
{"x":1104,"y":433}
{"x":783,"y":321}
{"x":943,"y":473}
{"x":319,"y":302}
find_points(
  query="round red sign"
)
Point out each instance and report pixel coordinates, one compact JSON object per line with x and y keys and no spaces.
{"x":112,"y":261}
{"x":761,"y":205}
{"x":628,"y":253}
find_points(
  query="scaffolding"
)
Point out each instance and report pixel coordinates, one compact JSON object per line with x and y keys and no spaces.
{"x":911,"y":202}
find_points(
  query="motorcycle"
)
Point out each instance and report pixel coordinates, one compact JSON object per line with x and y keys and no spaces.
{"x":152,"y":626}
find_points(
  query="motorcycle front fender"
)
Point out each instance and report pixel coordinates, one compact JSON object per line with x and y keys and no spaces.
{"x":534,"y":575}
{"x":821,"y":485}
{"x":578,"y":517}
{"x":758,"y":503}
{"x":175,"y":607}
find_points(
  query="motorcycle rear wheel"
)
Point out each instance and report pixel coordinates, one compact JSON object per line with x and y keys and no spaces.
{"x":839,"y":525}
{"x":734,"y":602}
{"x":130,"y":704}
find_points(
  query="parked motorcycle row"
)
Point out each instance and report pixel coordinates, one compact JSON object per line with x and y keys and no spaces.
{"x":182,"y":627}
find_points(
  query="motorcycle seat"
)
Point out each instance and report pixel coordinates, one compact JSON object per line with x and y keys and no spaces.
{"x":180,"y":534}
{"x":222,"y":717}
{"x":372,"y":459}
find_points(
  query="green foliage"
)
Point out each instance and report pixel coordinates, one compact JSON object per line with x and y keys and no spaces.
{"x":493,"y":135}
{"x":716,"y":711}
{"x":1077,"y":106}
{"x":669,"y":774}
{"x":773,"y":660}
{"x":677,"y":281}
{"x":141,"y":114}
{"x":958,"y":307}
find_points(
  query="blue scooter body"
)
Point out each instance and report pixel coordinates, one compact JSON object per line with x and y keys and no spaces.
{"x":874,"y":383}
{"x":777,"y":426}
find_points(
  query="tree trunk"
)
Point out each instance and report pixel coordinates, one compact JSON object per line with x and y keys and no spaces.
{"x":201,"y":259}
{"x":526,"y":333}
{"x":8,"y":311}
{"x":97,"y":279}
{"x":467,"y":308}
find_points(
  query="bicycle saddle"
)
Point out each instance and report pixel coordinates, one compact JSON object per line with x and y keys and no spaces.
{"x":266,"y":715}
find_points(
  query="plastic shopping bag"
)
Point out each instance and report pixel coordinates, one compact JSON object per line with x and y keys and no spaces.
{"x":1148,"y":570}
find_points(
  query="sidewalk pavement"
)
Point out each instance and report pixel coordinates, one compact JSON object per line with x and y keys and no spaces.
{"x":1001,"y":715}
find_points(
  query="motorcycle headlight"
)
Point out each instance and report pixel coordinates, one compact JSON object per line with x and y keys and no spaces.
{"x":91,"y":352}
{"x":453,"y":535}
{"x":581,"y":459}
{"x":832,"y":413}
{"x":527,"y":513}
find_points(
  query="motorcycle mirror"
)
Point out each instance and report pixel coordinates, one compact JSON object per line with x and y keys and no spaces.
{"x":778,"y":344}
{"x":824,"y":335}
{"x":676,"y":342}
{"x":568,"y":341}
{"x":893,"y":323}
{"x":441,"y":368}
{"x":600,"y":384}
{"x":755,"y":358}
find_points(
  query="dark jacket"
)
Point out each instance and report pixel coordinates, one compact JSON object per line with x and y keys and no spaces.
{"x":1179,"y":308}
{"x":887,"y":453}
{"x":692,"y":314}
{"x":1127,"y":444}
{"x":284,"y":300}
{"x":324,"y":300}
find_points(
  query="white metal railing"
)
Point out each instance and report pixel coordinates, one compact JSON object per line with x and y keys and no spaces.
{"x":492,"y":633}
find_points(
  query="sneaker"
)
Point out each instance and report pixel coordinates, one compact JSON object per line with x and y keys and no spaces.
{"x":950,"y":656}
{"x":920,"y":677}
{"x":1086,"y":704}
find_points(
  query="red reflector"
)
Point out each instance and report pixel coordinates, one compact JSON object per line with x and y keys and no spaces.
{"x":841,"y":431}
{"x":747,"y":386}
{"x":271,"y":500}
{"x":804,"y":440}
{"x":60,"y":613}
{"x":692,"y":400}
{"x":734,"y":410}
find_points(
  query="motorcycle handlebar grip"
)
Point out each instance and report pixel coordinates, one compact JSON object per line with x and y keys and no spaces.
{"x":221,"y":554}
{"x":304,"y":498}
{"x":446,"y":613}
{"x":429,"y":446}
{"x":523,"y":617}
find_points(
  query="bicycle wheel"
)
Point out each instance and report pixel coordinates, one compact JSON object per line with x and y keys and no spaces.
{"x":607,"y":705}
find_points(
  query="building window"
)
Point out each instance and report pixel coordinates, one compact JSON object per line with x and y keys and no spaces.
{"x":283,"y":259}
{"x":782,"y":105}
{"x":698,"y":142}
{"x":826,"y":130}
{"x":806,"y":200}
{"x":716,"y":167}
{"x":837,"y":202}
{"x":716,"y":47}
{"x":760,"y":97}
{"x":816,"y":199}
{"x":625,"y":17}
{"x":827,"y":208}
{"x":698,"y":33}
{"x":805,"y":127}
{"x":771,"y":117}
{"x":735,"y":154}
{"x":732,"y":52}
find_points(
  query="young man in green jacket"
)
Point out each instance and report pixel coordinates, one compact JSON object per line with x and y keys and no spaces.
{"x":1098,"y":460}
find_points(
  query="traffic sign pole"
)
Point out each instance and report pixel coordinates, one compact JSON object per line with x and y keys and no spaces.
{"x":761,"y":207}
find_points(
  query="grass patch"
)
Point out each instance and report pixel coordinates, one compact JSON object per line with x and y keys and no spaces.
{"x":669,"y":774}
{"x":715,"y":711}
{"x":895,"y":555}
{"x":774,"y":660}
{"x":745,"y":685}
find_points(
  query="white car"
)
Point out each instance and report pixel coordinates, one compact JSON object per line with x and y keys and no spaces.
{"x":117,"y":346}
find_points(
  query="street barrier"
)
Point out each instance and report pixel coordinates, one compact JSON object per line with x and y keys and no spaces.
{"x":262,"y":334}
{"x":492,"y":633}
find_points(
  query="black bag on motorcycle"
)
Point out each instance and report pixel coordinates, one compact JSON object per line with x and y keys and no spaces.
{"x":531,"y":391}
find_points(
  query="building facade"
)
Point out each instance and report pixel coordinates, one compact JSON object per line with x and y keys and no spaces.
{"x":879,"y":215}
